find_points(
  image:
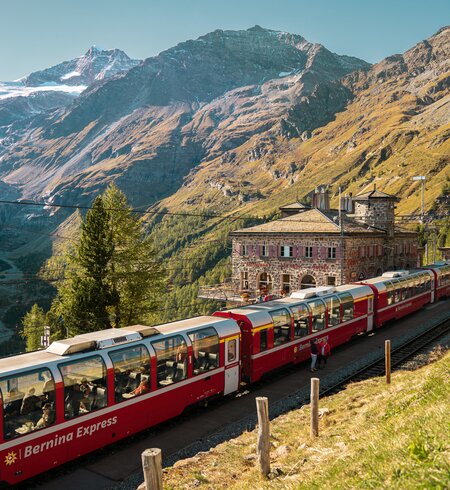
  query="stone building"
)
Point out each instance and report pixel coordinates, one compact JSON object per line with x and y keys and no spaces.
{"x":319,"y":246}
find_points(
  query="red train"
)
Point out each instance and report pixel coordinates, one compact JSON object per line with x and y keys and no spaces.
{"x":83,"y":393}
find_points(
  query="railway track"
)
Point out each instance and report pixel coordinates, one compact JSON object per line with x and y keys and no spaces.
{"x":287,"y":388}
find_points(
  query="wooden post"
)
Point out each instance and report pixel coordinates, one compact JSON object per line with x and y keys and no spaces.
{"x":315,"y":384}
{"x":152,"y":467}
{"x":387,"y":353}
{"x":263,"y":445}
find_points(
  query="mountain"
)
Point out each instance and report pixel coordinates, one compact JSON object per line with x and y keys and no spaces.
{"x":149,"y":127}
{"x":56,"y":87}
{"x":96,"y":64}
{"x":395,"y":125}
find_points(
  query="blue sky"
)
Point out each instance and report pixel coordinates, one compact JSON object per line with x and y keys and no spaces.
{"x":36,"y":34}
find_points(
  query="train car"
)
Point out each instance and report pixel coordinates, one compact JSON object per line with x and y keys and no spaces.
{"x":399,"y":293}
{"x":279,"y":332}
{"x":83,"y":393}
{"x":441,"y":273}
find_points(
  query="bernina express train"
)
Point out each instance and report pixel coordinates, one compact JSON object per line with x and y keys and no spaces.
{"x":85,"y":392}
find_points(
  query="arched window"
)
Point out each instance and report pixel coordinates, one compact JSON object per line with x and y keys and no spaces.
{"x":308,"y":282}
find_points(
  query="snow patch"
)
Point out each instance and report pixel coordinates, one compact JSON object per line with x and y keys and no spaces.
{"x":8,"y":90}
{"x":72,"y":74}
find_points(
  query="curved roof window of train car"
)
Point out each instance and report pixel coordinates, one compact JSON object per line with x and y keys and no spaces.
{"x":131,"y":372}
{"x":28,"y":402}
{"x":348,"y":306}
{"x":206,"y":348}
{"x":334,"y":310}
{"x":85,"y":386}
{"x":317,"y":306}
{"x":301,"y":320}
{"x":171,"y":359}
{"x":281,"y":326}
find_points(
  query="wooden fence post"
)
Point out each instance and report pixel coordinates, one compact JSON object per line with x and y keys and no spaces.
{"x":387,"y":353}
{"x":263,"y":445}
{"x":315,"y":384}
{"x":152,"y":467}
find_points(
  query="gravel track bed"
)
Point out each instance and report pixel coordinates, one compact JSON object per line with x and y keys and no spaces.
{"x":297,"y":399}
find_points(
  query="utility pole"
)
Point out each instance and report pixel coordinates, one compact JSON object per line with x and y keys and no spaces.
{"x":422,"y":179}
{"x":341,"y":226}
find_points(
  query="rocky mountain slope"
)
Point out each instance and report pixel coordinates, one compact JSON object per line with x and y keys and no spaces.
{"x":147,"y":128}
{"x":395,"y":126}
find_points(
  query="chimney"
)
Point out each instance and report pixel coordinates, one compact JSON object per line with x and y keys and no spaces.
{"x":321,"y":198}
{"x":347,"y":203}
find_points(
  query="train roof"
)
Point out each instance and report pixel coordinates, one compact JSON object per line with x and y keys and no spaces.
{"x":380,"y":281}
{"x":112,"y":337}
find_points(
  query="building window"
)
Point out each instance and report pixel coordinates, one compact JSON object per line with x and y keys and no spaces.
{"x":331,"y":281}
{"x":308,"y":252}
{"x":331,"y":253}
{"x":265,"y":282}
{"x":245,"y":250}
{"x":287,"y":251}
{"x":264,"y":250}
{"x":244,"y":280}
{"x":285,"y":284}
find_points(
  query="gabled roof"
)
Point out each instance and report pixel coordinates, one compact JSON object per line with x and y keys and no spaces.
{"x":374,"y":194}
{"x":295,"y":206}
{"x":312,"y":221}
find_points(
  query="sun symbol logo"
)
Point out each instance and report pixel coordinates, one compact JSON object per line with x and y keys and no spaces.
{"x":11,"y":458}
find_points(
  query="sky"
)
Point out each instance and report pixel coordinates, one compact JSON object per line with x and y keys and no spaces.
{"x":36,"y":34}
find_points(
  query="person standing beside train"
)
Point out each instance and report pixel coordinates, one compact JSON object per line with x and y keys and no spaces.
{"x":324,"y":352}
{"x":314,"y":352}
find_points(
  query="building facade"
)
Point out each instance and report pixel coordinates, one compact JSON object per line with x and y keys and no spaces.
{"x":318,"y":247}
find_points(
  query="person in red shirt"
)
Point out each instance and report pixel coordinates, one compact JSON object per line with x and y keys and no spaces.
{"x":324,"y":353}
{"x":142,"y":389}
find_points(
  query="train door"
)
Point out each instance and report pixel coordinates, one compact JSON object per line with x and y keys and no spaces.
{"x":232,"y":365}
{"x":370,"y":313}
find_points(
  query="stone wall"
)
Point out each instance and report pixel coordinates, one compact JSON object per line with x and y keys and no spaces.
{"x":363,"y":257}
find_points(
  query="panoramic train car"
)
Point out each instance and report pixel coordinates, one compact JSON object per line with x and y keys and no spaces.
{"x":399,"y":293}
{"x":88,"y":391}
{"x":441,"y":272}
{"x":279,"y":332}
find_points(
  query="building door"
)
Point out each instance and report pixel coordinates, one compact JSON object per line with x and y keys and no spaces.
{"x":232,"y":365}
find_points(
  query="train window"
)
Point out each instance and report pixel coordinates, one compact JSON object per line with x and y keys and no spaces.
{"x":131,"y":372}
{"x":262,"y":340}
{"x":427,"y":283}
{"x":347,"y":306}
{"x":390,"y":292}
{"x":28,"y":402}
{"x":334,"y":310}
{"x":301,"y":320}
{"x":405,"y":293}
{"x":85,"y":386}
{"x":171,"y":360}
{"x":231,"y":350}
{"x":206,"y":347}
{"x":317,"y":314}
{"x":397,"y":290}
{"x":281,"y":326}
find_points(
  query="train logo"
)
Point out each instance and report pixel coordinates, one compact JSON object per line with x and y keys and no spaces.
{"x":10,"y":458}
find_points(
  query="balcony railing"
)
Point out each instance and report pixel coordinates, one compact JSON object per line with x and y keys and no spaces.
{"x":226,"y":292}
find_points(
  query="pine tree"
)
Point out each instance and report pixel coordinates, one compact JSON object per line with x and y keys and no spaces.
{"x":33,"y":327}
{"x":135,"y":273}
{"x":85,"y":297}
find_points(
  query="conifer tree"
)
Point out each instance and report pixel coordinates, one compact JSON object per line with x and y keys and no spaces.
{"x":33,"y":327}
{"x":135,"y":273}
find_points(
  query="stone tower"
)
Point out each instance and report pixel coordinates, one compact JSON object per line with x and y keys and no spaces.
{"x":377,"y":209}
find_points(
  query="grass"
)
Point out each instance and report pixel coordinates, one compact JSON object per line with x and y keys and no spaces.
{"x":372,"y":436}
